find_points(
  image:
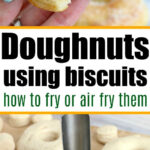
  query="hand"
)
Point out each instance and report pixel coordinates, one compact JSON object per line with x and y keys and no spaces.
{"x":32,"y":16}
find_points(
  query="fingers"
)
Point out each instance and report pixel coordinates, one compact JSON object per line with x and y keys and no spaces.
{"x":32,"y":16}
{"x":9,"y":11}
{"x":69,"y":16}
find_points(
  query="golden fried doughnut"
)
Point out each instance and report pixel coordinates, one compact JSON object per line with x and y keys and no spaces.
{"x":114,"y":13}
{"x":51,"y":5}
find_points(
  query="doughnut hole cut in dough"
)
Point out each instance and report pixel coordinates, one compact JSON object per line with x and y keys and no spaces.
{"x":45,"y":135}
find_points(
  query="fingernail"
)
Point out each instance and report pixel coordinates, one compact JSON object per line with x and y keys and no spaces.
{"x":7,"y":1}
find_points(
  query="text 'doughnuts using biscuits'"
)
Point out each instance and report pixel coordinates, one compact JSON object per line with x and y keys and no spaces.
{"x":6,"y":142}
{"x":38,"y":118}
{"x":51,"y":5}
{"x":107,"y":133}
{"x":19,"y":120}
{"x":44,"y":135}
{"x":134,"y":142}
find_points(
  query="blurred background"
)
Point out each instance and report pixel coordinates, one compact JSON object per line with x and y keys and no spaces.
{"x":133,"y":123}
{"x":148,"y":5}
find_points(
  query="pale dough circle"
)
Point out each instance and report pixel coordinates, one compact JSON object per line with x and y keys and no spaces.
{"x":19,"y":120}
{"x":107,"y":133}
{"x":135,"y":142}
{"x":6,"y":142}
{"x":114,"y":13}
{"x":37,"y":118}
{"x":51,"y":5}
{"x":45,"y":135}
{"x":1,"y":124}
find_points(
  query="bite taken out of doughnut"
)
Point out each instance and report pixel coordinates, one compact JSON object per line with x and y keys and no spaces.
{"x":51,"y":5}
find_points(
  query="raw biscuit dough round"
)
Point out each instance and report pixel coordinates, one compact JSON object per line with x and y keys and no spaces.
{"x":6,"y":142}
{"x":114,"y":13}
{"x":134,"y":142}
{"x":45,"y":135}
{"x":1,"y":124}
{"x":19,"y":120}
{"x":51,"y":5}
{"x":107,"y":133}
{"x":37,"y":118}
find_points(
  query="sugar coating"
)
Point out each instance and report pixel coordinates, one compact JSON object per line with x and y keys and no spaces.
{"x":114,"y":13}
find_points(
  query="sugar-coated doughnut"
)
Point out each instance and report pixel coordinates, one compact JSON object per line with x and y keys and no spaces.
{"x":51,"y":5}
{"x":37,"y":118}
{"x":114,"y":13}
{"x":44,"y":135}
{"x":134,"y":142}
{"x":6,"y":142}
{"x":107,"y":133}
{"x":19,"y":120}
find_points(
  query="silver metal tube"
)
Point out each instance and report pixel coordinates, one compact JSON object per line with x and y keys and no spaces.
{"x":76,"y":132}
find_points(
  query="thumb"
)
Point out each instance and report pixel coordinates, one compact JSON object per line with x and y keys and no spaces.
{"x":69,"y":16}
